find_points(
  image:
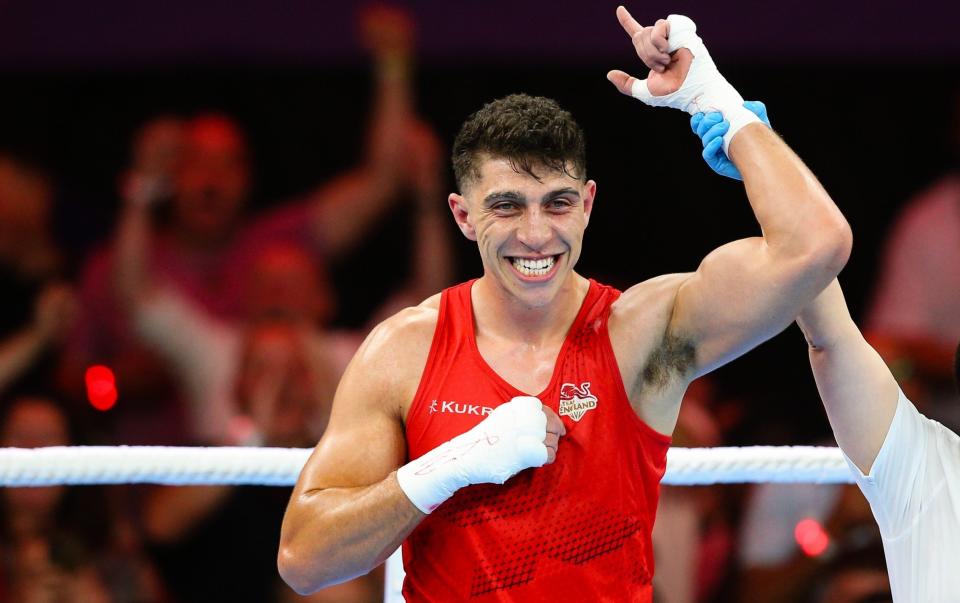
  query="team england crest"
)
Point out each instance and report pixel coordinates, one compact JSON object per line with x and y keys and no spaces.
{"x":576,"y":401}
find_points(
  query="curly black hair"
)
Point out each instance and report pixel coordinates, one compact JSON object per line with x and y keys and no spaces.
{"x":528,"y":131}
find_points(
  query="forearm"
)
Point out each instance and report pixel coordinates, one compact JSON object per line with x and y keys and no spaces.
{"x":335,"y":534}
{"x":392,"y":107}
{"x":347,"y":206}
{"x":433,"y":257}
{"x":797,"y":216}
{"x":130,"y":258}
{"x":858,"y":391}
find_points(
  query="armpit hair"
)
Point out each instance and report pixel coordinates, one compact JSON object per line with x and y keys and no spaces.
{"x":673,"y":357}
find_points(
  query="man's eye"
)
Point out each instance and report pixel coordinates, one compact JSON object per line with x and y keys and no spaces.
{"x":505,"y":206}
{"x":560,"y":203}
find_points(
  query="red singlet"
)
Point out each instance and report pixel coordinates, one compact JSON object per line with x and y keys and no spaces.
{"x":576,"y":530}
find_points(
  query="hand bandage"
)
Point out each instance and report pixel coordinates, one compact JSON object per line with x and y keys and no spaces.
{"x":508,"y":441}
{"x":704,"y":89}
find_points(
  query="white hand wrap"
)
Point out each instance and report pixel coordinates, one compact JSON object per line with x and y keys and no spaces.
{"x":704,"y":89}
{"x":505,"y":443}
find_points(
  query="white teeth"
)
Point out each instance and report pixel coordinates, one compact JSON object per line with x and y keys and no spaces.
{"x":531,"y":267}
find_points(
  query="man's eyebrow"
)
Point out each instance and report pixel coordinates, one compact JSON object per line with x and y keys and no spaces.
{"x":502,"y":196}
{"x":560,"y":192}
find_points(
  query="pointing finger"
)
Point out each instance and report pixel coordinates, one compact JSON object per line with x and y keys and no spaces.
{"x":627,"y":21}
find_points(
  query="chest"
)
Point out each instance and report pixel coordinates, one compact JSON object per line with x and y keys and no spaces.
{"x":527,"y":368}
{"x":462,"y":389}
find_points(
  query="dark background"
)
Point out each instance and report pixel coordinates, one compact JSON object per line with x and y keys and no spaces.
{"x":865,"y":93}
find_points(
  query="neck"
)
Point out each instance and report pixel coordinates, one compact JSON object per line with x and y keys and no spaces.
{"x":497,"y":312}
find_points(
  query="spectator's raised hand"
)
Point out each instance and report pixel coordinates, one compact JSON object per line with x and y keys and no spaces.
{"x":387,"y":30}
{"x":157,"y":152}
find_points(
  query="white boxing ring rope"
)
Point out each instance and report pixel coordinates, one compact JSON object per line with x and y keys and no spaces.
{"x":90,"y":465}
{"x":186,"y":466}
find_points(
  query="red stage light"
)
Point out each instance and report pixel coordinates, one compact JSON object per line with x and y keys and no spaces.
{"x":101,"y":387}
{"x":811,"y":537}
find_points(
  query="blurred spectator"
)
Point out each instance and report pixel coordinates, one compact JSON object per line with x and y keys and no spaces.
{"x":914,"y":318}
{"x":37,"y":308}
{"x":205,"y":247}
{"x":791,"y":532}
{"x":858,"y":576}
{"x":282,"y":283}
{"x":285,"y":402}
{"x":59,"y":543}
{"x":21,"y":352}
{"x":29,"y":257}
{"x":693,"y":537}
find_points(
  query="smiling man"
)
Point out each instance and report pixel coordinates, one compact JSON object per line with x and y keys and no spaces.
{"x":548,"y":490}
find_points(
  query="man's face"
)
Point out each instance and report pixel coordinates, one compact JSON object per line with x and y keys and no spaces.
{"x":529,"y":231}
{"x":213,"y":180}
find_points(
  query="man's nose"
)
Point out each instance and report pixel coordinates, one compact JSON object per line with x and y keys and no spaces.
{"x":535,"y":230}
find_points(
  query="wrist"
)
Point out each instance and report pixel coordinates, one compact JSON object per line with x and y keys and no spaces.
{"x":739,"y":117}
{"x":393,"y":66}
{"x":431,"y":479}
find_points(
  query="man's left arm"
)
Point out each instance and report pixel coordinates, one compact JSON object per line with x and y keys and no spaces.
{"x":749,"y":290}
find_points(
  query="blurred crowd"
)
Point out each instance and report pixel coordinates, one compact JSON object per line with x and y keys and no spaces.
{"x":200,"y":322}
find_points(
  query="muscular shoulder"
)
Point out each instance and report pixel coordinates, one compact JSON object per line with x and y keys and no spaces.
{"x":648,"y":354}
{"x":392,"y":358}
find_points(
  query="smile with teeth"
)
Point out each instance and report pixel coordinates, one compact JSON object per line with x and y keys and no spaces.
{"x":533,"y":267}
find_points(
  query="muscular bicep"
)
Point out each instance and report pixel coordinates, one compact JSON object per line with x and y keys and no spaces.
{"x":363,"y":442}
{"x":740,"y":296}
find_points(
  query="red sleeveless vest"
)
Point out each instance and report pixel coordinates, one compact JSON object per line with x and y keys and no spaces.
{"x":576,"y":530}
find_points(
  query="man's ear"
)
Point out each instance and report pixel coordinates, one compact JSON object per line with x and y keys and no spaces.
{"x":589,"y":193}
{"x":461,"y":214}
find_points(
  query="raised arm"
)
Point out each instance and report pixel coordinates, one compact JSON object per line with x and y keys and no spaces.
{"x":157,"y":150}
{"x":431,"y":259}
{"x":858,"y":390}
{"x":348,"y":205}
{"x":746,"y":291}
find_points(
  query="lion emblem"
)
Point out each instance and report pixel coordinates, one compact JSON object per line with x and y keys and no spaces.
{"x":576,"y":401}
